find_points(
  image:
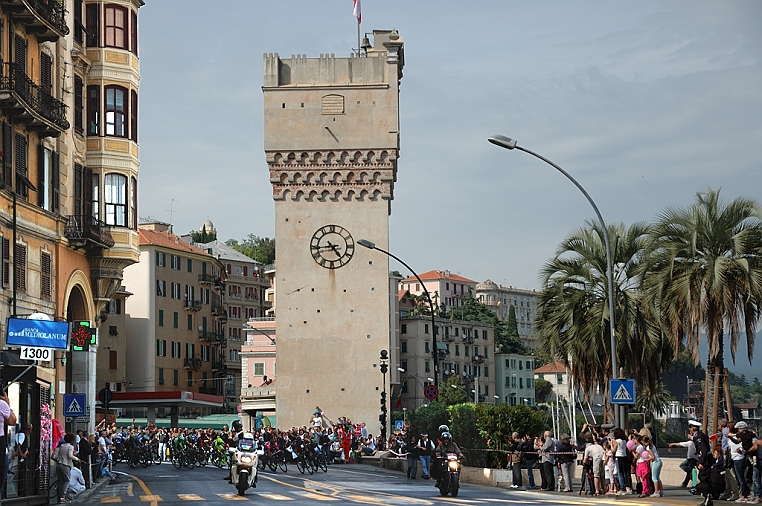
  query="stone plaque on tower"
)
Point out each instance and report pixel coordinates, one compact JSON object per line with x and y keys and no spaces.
{"x":331,"y":143}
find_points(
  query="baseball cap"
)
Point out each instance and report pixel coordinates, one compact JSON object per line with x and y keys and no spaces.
{"x":694,"y":423}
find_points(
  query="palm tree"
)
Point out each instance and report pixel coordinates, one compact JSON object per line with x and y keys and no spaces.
{"x":654,"y":402}
{"x":703,"y":274}
{"x":573,"y":315}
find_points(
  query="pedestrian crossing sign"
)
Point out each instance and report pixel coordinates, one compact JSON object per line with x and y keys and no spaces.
{"x":622,"y":391}
{"x":75,"y":405}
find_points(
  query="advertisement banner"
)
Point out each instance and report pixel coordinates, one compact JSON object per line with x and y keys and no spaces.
{"x":38,"y":333}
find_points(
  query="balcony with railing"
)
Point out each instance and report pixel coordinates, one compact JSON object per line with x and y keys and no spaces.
{"x":84,"y":231}
{"x":219,"y":313}
{"x":219,"y":365}
{"x":44,"y":18}
{"x":30,"y":103}
{"x":208,"y":390}
{"x":478,"y":359}
{"x":192,"y":305}
{"x":192,"y":363}
{"x":210,"y":336}
{"x":207,"y":279}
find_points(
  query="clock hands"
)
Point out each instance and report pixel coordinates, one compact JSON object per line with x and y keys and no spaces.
{"x":329,"y":245}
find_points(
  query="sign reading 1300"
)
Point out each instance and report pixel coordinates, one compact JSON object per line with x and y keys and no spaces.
{"x":31,"y":353}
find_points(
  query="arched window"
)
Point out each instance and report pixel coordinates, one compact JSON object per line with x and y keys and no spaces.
{"x":116,"y":111}
{"x":115,"y":199}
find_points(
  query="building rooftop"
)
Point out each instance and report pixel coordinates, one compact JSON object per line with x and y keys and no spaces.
{"x":553,"y":368}
{"x":166,"y":240}
{"x":225,"y":252}
{"x":435,"y":274}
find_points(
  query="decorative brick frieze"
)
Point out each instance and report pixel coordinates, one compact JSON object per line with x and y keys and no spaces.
{"x":333,"y":175}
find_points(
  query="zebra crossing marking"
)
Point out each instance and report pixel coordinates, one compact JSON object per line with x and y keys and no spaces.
{"x":233,"y":497}
{"x":316,"y":497}
{"x":275,"y":497}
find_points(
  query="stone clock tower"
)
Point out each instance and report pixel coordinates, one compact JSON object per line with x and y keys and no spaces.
{"x":331,"y":142}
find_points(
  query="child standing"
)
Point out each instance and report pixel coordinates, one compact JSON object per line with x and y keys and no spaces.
{"x":643,"y":470}
{"x":610,"y":468}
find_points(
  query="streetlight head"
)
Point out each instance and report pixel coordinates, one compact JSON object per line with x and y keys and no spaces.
{"x":400,"y":369}
{"x":454,"y":386}
{"x":502,"y":141}
{"x":366,"y":243}
{"x":429,"y":379}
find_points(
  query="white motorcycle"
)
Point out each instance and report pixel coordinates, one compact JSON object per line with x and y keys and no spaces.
{"x":243,"y":465}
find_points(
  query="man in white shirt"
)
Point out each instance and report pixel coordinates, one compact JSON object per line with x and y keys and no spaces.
{"x":7,"y":419}
{"x":76,"y":482}
{"x":690,"y":461}
{"x":594,"y":455}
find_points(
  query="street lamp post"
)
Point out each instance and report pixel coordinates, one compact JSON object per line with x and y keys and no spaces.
{"x":384,"y":358}
{"x":367,"y":244}
{"x":507,"y":143}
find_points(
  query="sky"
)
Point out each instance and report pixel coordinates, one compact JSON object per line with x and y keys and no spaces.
{"x":644,"y":103}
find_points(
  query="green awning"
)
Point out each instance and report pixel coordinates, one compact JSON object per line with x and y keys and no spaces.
{"x":442,"y":346}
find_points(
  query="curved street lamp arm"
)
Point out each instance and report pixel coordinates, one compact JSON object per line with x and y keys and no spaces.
{"x":272,"y":341}
{"x":370,"y":245}
{"x":609,"y":261}
{"x":507,"y":143}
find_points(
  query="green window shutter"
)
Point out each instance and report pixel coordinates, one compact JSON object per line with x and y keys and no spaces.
{"x":161,"y":317}
{"x":176,"y":320}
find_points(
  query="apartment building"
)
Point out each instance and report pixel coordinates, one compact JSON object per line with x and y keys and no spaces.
{"x":558,"y":375}
{"x":176,"y":318}
{"x":258,"y":361}
{"x":69,"y":155}
{"x":500,"y":299}
{"x":444,"y":287}
{"x":245,"y":287}
{"x":466,"y":349}
{"x":514,"y":381}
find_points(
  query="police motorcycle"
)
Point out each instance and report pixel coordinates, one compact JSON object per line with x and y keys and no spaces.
{"x":243,"y":466}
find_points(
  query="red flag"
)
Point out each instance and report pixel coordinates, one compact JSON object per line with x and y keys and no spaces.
{"x":356,"y":11}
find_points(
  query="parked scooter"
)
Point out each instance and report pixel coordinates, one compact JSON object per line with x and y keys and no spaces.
{"x":243,"y":466}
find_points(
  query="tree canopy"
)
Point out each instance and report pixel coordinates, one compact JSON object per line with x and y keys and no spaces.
{"x":473,"y":310}
{"x":203,"y":236}
{"x":261,"y":249}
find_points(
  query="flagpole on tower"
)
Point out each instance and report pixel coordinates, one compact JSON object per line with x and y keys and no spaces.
{"x":358,"y":14}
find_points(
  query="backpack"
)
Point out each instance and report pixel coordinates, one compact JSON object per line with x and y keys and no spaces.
{"x":554,"y":449}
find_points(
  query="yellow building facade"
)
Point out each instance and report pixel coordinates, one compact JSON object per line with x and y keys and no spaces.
{"x":68,"y":205}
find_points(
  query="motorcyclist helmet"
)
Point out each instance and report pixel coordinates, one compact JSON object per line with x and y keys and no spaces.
{"x":446,"y":436}
{"x":246,"y":443}
{"x":444,"y":428}
{"x":237,"y":426}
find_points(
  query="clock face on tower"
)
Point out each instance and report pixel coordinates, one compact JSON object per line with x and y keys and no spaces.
{"x":332,"y":246}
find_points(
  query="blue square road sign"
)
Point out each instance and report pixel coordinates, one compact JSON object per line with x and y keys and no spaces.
{"x":622,"y":391}
{"x":75,"y":404}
